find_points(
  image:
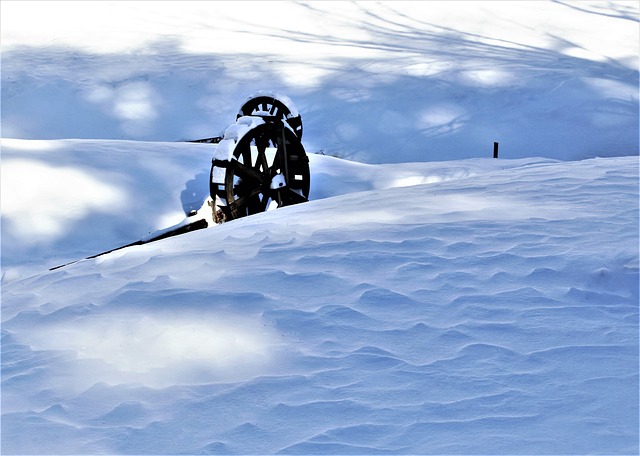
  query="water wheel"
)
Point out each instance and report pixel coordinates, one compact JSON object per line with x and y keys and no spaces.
{"x":260,"y":164}
{"x":272,"y":104}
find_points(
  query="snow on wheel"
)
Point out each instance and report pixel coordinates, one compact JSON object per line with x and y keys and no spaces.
{"x":273,"y":104}
{"x":260,"y":164}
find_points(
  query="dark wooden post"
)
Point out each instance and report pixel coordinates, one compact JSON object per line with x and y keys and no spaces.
{"x":495,"y":150}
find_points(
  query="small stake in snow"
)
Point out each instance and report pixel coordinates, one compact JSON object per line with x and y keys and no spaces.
{"x":495,"y":150}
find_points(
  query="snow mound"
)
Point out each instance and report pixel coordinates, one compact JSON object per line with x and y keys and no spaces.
{"x":477,"y":306}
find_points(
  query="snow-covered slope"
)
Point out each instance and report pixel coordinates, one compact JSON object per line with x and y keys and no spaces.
{"x":428,"y":299}
{"x":65,"y":200}
{"x":475,"y":306}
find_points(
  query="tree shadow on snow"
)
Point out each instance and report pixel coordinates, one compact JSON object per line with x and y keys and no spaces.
{"x":404,"y":91}
{"x":430,"y":92}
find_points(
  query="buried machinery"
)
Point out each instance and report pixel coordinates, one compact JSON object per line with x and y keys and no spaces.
{"x":258,"y":164}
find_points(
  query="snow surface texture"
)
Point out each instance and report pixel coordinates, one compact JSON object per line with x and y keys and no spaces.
{"x":468,"y":305}
{"x":376,"y":82}
{"x":476,"y":306}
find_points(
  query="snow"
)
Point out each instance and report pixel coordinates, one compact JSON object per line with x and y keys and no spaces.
{"x":427,"y":299}
{"x":376,"y":82}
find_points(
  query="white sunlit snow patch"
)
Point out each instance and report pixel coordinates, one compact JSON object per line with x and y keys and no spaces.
{"x":441,"y":118}
{"x":41,"y":202}
{"x":158,"y":350}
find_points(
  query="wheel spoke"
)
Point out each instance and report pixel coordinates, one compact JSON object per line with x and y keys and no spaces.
{"x":290,"y":196}
{"x":245,"y":153}
{"x":245,"y":172}
{"x":245,"y":200}
{"x":261,"y":160}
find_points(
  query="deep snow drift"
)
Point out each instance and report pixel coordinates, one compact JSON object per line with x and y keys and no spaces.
{"x":474,"y":306}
